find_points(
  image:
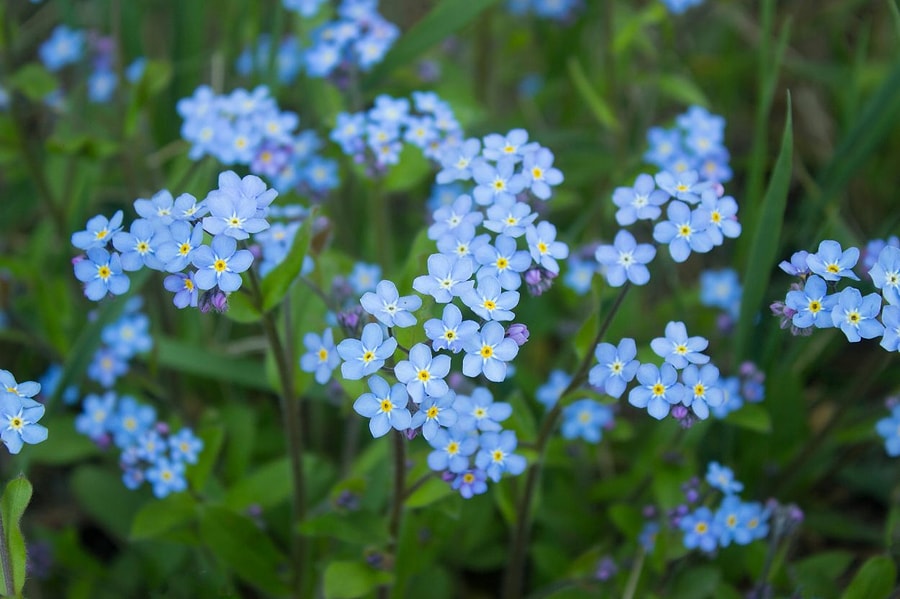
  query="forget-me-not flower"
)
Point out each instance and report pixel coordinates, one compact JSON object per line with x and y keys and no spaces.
{"x":677,"y":348}
{"x":831,"y":262}
{"x":545,"y":250}
{"x":423,"y":374}
{"x":700,"y":389}
{"x":856,"y":315}
{"x":496,"y":455}
{"x":616,"y":367}
{"x":885,"y":274}
{"x":18,"y":420}
{"x":641,"y":202}
{"x":452,"y":448}
{"x":450,"y":331}
{"x":99,"y":231}
{"x":658,"y":389}
{"x":220,"y":264}
{"x":434,"y":413}
{"x":389,"y":307}
{"x":685,"y":231}
{"x":585,"y":419}
{"x":321,"y":356}
{"x":385,"y":406}
{"x":479,"y":411}
{"x":102,"y":272}
{"x":812,"y":304}
{"x":447,"y":277}
{"x":366,"y":355}
{"x":488,"y":352}
{"x":625,"y":260}
{"x":490,"y":302}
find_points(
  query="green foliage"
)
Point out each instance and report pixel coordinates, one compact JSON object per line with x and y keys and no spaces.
{"x":15,"y":499}
{"x":348,"y":580}
{"x":874,"y":580}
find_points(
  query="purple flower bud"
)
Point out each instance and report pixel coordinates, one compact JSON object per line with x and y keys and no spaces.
{"x":411,"y":433}
{"x":691,"y":496}
{"x":891,"y":401}
{"x":254,"y":510}
{"x":351,"y":321}
{"x":679,"y":412}
{"x":649,"y":511}
{"x":256,"y":250}
{"x":214,"y":299}
{"x":724,"y":323}
{"x":518,"y":332}
{"x":748,"y":368}
{"x":347,"y":500}
{"x":448,"y":477}
{"x":538,"y":280}
{"x":606,"y":569}
{"x":162,"y":428}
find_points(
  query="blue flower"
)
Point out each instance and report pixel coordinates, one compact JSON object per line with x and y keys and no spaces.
{"x":450,"y":331}
{"x":423,"y":374}
{"x":388,"y":307}
{"x":470,"y":482}
{"x":129,"y":336}
{"x":625,"y":260}
{"x":537,"y":166}
{"x":149,"y":446}
{"x":176,"y":248}
{"x":740,"y":522}
{"x":98,"y":232}
{"x":462,"y":246}
{"x":585,"y":419}
{"x":166,"y":477}
{"x":616,"y":367}
{"x":722,"y":216}
{"x":321,"y":356}
{"x":889,"y":428}
{"x":513,"y":145}
{"x":856,"y":315}
{"x":503,"y":261}
{"x":385,"y":406}
{"x":18,"y":419}
{"x":478,"y":411}
{"x":96,"y":416}
{"x":365,"y":356}
{"x":130,"y":421}
{"x":722,"y":478}
{"x":665,"y":144}
{"x":885,"y":274}
{"x":452,"y":448}
{"x":185,"y":446}
{"x":642,"y":201}
{"x":496,"y":455}
{"x":700,"y":530}
{"x":139,"y":246}
{"x":549,"y":393}
{"x":700,"y":389}
{"x":458,"y":215}
{"x":496,"y":183}
{"x":101,"y":85}
{"x":683,"y":186}
{"x":364,"y":277}
{"x":456,"y":161}
{"x":658,"y":389}
{"x":685,"y":231}
{"x":220,"y":264}
{"x":677,"y":348}
{"x":65,"y":46}
{"x":890,"y":317}
{"x":509,"y":217}
{"x":159,"y":209}
{"x":24,"y":389}
{"x":831,"y":263}
{"x":797,"y":266}
{"x":579,"y":275}
{"x":187,"y":208}
{"x":489,"y":352}
{"x":812,"y":304}
{"x":721,"y":289}
{"x":489,"y":302}
{"x":184,"y":288}
{"x":447,"y":277}
{"x":434,"y":413}
{"x":106,"y":367}
{"x":545,"y":250}
{"x":231,"y":215}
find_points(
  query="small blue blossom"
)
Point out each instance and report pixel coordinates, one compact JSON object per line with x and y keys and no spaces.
{"x":423,"y":374}
{"x":889,"y":429}
{"x":831,"y":262}
{"x":625,"y":260}
{"x":856,"y":315}
{"x":488,"y":352}
{"x":648,"y":535}
{"x":452,"y":448}
{"x":579,"y":275}
{"x":797,"y":266}
{"x":65,"y":46}
{"x":885,"y":274}
{"x":450,"y":331}
{"x":159,"y":209}
{"x":740,"y":522}
{"x":106,"y":367}
{"x":683,"y":186}
{"x":479,"y":411}
{"x":434,"y":413}
{"x":721,"y":289}
{"x":701,"y":390}
{"x":700,"y":530}
{"x":232,"y":215}
{"x":220,"y":264}
{"x":722,"y":478}
{"x":812,"y":304}
{"x":366,"y":355}
{"x":458,"y":215}
{"x":585,"y":419}
{"x":890,"y":317}
{"x":545,"y":250}
{"x":503,"y":261}
{"x":166,"y":477}
{"x":176,"y":248}
{"x":389,"y":307}
{"x":129,"y":336}
{"x":456,"y":161}
{"x":96,"y":416}
{"x":509,"y":217}
{"x":139,"y":246}
{"x":496,"y":455}
{"x":496,"y":183}
{"x":641,"y":202}
{"x":364,"y":277}
{"x":447,"y":277}
{"x":677,"y":348}
{"x":184,"y":288}
{"x":540,"y":175}
{"x":470,"y":483}
{"x":150,"y":446}
{"x":130,"y":421}
{"x":98,"y":233}
{"x":658,"y":389}
{"x":549,"y":393}
{"x":490,"y":302}
{"x":185,"y":446}
{"x":385,"y":406}
{"x":321,"y":356}
{"x":18,"y":420}
{"x":616,"y":367}
{"x":24,"y":389}
{"x":722,"y":216}
{"x":685,"y":231}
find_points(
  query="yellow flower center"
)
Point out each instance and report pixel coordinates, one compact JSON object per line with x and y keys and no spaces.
{"x":489,"y":305}
{"x":101,"y":234}
{"x":502,"y":263}
{"x":184,"y":249}
{"x":189,"y":284}
{"x":104,"y":272}
{"x":542,"y":247}
{"x":658,"y":389}
{"x":386,"y":405}
{"x":368,"y":356}
{"x":537,"y":173}
{"x":323,"y":354}
{"x":701,"y":528}
{"x":432,"y":412}
{"x":815,"y":306}
{"x":486,"y":351}
{"x":699,"y":390}
{"x":452,"y":448}
{"x":220,"y":265}
{"x":423,"y":375}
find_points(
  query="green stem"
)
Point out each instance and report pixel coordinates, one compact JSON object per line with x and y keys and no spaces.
{"x":399,"y":498}
{"x":4,"y":560}
{"x":293,"y":431}
{"x":515,"y":570}
{"x":634,"y":576}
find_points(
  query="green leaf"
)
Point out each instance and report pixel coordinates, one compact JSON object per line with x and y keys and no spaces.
{"x":431,"y":491}
{"x":874,"y":580}
{"x":65,"y":445}
{"x":34,"y":81}
{"x":409,"y":172}
{"x":12,"y":506}
{"x":818,"y":574}
{"x":102,"y":495}
{"x":266,"y":486}
{"x":244,"y":548}
{"x":766,"y":233}
{"x":197,"y":474}
{"x":193,"y":359}
{"x":597,"y":105}
{"x":158,"y":517}
{"x":681,"y":89}
{"x":275,"y":285}
{"x":751,"y":416}
{"x":347,"y":580}
{"x":627,"y":518}
{"x":359,"y":528}
{"x":444,"y":20}
{"x":241,"y":309}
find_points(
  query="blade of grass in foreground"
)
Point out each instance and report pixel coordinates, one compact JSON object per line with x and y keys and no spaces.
{"x":766,"y":233}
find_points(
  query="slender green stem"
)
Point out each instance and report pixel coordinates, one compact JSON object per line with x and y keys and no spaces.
{"x":515,"y":570}
{"x":399,"y":497}
{"x":634,"y":576}
{"x":293,"y":431}
{"x":4,"y":560}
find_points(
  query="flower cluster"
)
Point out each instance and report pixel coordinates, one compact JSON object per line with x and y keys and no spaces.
{"x":247,"y":128}
{"x":121,"y":341}
{"x":304,"y":8}
{"x":169,"y":237}
{"x":19,"y":413}
{"x":722,"y":289}
{"x":815,"y":303}
{"x":695,"y":143}
{"x":358,"y":39}
{"x":287,"y":58}
{"x":556,"y":10}
{"x":149,"y":452}
{"x":376,"y":137}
